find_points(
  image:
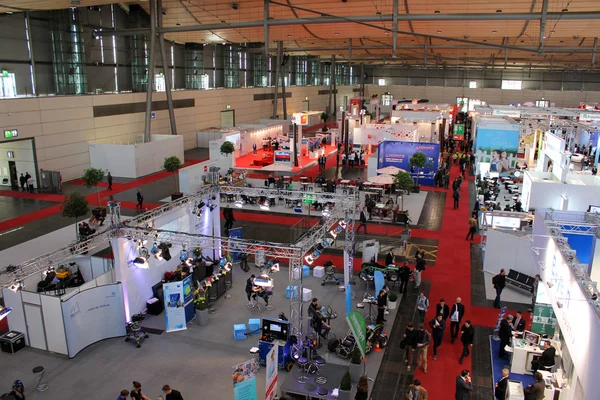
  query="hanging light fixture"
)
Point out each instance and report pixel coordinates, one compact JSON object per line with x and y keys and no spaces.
{"x":183,"y":254}
{"x":239,"y":203}
{"x":326,"y":212}
{"x":16,"y":286}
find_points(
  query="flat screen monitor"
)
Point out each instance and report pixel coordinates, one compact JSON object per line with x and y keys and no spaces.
{"x":532,"y":338}
{"x":594,"y":209}
{"x":275,"y":328}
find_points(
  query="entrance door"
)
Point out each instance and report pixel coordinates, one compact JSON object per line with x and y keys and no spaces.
{"x":14,"y":179}
{"x":35,"y":326}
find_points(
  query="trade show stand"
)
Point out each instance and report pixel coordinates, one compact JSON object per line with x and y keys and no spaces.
{"x":524,"y":353}
{"x":138,"y":159}
{"x":543,"y":190}
{"x":311,"y":390}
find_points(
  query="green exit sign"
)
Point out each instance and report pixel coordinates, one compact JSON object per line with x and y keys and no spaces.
{"x":4,"y":72}
{"x":10,"y":133}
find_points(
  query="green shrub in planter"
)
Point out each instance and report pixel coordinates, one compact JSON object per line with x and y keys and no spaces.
{"x":356,"y":357}
{"x":227,"y":148}
{"x":392,"y":296}
{"x":346,"y":383}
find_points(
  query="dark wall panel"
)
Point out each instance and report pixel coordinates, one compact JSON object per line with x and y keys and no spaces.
{"x":132,"y":108}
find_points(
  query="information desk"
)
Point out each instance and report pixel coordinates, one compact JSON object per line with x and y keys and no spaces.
{"x":523,"y":354}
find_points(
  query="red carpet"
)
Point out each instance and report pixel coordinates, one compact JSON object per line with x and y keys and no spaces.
{"x":246,"y":161}
{"x":32,"y":196}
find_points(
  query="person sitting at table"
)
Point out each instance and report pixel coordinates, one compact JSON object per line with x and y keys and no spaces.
{"x":266,"y":293}
{"x":546,"y":359}
{"x":389,"y":203}
{"x":507,"y":208}
{"x":320,"y":326}
{"x":518,"y":206}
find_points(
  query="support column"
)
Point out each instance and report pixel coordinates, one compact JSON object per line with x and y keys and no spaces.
{"x":395,"y":29}
{"x":334,"y":86}
{"x":283,"y":99}
{"x":362,"y":83}
{"x":31,"y":54}
{"x":163,"y":55}
{"x":266,"y":33}
{"x":150,"y":80}
{"x":277,"y":69}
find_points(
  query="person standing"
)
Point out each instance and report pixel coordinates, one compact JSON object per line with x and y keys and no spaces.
{"x":456,"y":315}
{"x":109,"y":179}
{"x":472,"y":226}
{"x":27,"y":187}
{"x":422,"y":306}
{"x":381,"y":307}
{"x":443,"y":309}
{"x":254,"y":148}
{"x":416,"y":391}
{"x":405,"y":274}
{"x":502,"y":385}
{"x":467,"y":336}
{"x":136,"y":392}
{"x":534,"y":292}
{"x":390,"y":256}
{"x":419,"y":267}
{"x":519,"y":322}
{"x":423,"y":340}
{"x":535,"y":391}
{"x":499,"y":282}
{"x":337,"y":159}
{"x":362,"y":388}
{"x":171,"y":394}
{"x":456,"y":197}
{"x":438,"y":324}
{"x":363,"y":220}
{"x":140,"y":200}
{"x":410,"y":344}
{"x":463,"y":386}
{"x":343,"y":160}
{"x":505,"y":334}
{"x":22,"y":181}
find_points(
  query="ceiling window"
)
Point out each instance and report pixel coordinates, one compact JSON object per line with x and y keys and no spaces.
{"x":473,"y":85}
{"x":8,"y":84}
{"x":381,"y":82}
{"x":511,"y":85}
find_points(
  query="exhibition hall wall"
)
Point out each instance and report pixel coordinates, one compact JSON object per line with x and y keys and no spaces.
{"x":65,"y":125}
{"x":22,"y":155}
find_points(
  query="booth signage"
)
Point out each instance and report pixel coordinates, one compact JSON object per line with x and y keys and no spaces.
{"x":4,"y":73}
{"x":272,"y":372}
{"x":235,"y":233}
{"x":544,"y":320}
{"x":508,"y":113}
{"x":244,"y":381}
{"x":398,"y":154}
{"x":459,"y":132}
{"x":589,"y":117}
{"x":358,"y":326}
{"x":370,"y":250}
{"x":300,"y":119}
{"x":174,"y":306}
{"x":498,"y":144}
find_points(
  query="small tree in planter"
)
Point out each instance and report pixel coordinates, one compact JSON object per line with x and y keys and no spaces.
{"x":75,"y":206}
{"x":403,"y":181}
{"x":92,"y":177}
{"x":201,"y":306}
{"x":227,"y":148}
{"x":355,"y":364}
{"x":418,"y":160}
{"x":345,"y":387}
{"x":172,"y":165}
{"x":392,"y":299}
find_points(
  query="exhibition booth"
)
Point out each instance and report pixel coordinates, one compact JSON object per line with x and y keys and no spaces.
{"x":138,"y":159}
{"x":398,"y":154}
{"x":430,"y":123}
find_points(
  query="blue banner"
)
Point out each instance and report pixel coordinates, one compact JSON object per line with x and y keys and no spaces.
{"x":174,"y":306}
{"x":348,"y":299}
{"x":379,"y":282}
{"x":188,"y":299}
{"x":398,"y":154}
{"x":235,"y":233}
{"x":497,"y":144}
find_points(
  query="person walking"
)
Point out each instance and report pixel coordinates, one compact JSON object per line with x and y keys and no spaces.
{"x":363,"y":220}
{"x":467,"y":336}
{"x":472,"y":226}
{"x":423,"y":340}
{"x":381,"y":307}
{"x":505,"y":334}
{"x":456,"y":197}
{"x":343,"y":160}
{"x":534,"y":292}
{"x":254,"y":148}
{"x":140,"y":200}
{"x":502,"y":385}
{"x":463,"y":386}
{"x":419,"y":268}
{"x":422,"y":306}
{"x":456,"y":315}
{"x":362,"y":388}
{"x":416,"y":391}
{"x":109,"y":179}
{"x":390,"y":257}
{"x":405,"y":274}
{"x":22,"y":181}
{"x":499,"y":282}
{"x":28,"y":186}
{"x":443,"y":309}
{"x":438,"y":324}
{"x":410,"y":345}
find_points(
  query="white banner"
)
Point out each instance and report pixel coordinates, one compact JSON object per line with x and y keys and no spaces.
{"x":93,"y":315}
{"x":370,"y":250}
{"x":174,"y":306}
{"x":272,"y":372}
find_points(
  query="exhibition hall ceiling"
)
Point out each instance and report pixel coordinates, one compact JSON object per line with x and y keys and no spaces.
{"x":474,"y":33}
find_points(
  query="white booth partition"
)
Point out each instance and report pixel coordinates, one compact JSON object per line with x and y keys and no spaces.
{"x":373,"y":134}
{"x":194,"y":177}
{"x":204,"y":137}
{"x":508,"y":249}
{"x":136,"y":160}
{"x":552,"y":157}
{"x":544,"y":190}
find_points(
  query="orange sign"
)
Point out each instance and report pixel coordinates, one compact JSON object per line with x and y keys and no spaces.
{"x":304,"y":119}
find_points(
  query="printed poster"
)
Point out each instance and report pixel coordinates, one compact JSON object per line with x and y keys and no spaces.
{"x":244,"y":381}
{"x":398,"y":154}
{"x":174,"y":306}
{"x":272,"y":373}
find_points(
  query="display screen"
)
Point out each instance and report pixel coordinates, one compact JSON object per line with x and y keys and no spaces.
{"x":594,"y":209}
{"x":275,"y":328}
{"x":532,"y":338}
{"x":506,"y":222}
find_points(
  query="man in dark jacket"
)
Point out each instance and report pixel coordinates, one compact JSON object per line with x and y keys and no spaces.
{"x":22,"y":181}
{"x":463,"y":386}
{"x":505,"y":334}
{"x":535,"y":391}
{"x":456,"y":315}
{"x":410,"y":344}
{"x":405,"y":273}
{"x":467,"y":336}
{"x":456,"y":197}
{"x":423,"y":340}
{"x":443,"y":309}
{"x":363,"y":220}
{"x":438,"y":324}
{"x":502,"y":385}
{"x":499,"y":282}
{"x":547,"y":357}
{"x":389,"y":257}
{"x":109,"y":179}
{"x":140,"y":200}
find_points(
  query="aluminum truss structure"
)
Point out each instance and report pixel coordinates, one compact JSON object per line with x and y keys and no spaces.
{"x":344,"y":209}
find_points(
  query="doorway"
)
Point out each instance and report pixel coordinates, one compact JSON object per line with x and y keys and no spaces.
{"x":14,"y":180}
{"x":228,"y":119}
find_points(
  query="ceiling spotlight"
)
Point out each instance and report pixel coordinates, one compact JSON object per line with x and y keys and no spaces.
{"x":212,"y":207}
{"x":235,"y":6}
{"x":439,"y":31}
{"x":327,"y":242}
{"x":140,"y":263}
{"x":201,"y":204}
{"x":498,"y":10}
{"x":143,"y":252}
{"x":333,"y":233}
{"x":326,"y":212}
{"x":336,"y":34}
{"x":437,"y":11}
{"x":565,"y":10}
{"x":494,"y":31}
{"x":239,"y":203}
{"x":275,"y":266}
{"x":16,"y":286}
{"x":309,"y":259}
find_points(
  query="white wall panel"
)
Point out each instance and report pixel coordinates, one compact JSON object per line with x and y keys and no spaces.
{"x":53,"y":321}
{"x":16,"y":318}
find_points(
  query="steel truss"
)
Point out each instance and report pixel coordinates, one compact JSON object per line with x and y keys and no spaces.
{"x":344,"y":208}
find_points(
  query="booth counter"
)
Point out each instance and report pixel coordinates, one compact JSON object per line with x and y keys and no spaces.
{"x":136,"y":160}
{"x":523,"y":354}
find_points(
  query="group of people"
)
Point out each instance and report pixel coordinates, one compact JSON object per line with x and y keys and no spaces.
{"x":322,"y":162}
{"x":253,"y":291}
{"x":26,"y":186}
{"x":353,"y":158}
{"x":136,"y":393}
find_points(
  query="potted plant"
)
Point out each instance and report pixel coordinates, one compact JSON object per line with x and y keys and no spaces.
{"x":324,"y":116}
{"x":392,"y":299}
{"x":197,"y":252}
{"x":75,"y":206}
{"x":172,"y":164}
{"x":92,"y":177}
{"x":345,"y":387}
{"x":201,"y":306}
{"x":418,"y":160}
{"x":227,"y":148}
{"x":403,"y":181}
{"x":355,"y":364}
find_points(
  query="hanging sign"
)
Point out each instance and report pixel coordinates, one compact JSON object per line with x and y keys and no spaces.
{"x":544,"y":320}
